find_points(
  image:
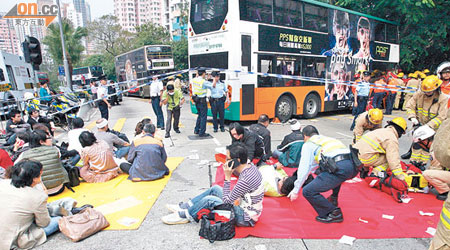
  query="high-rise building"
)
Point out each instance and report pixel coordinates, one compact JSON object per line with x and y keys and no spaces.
{"x":177,"y":11}
{"x":88,"y":12}
{"x":133,"y":13}
{"x":8,"y":39}
{"x":80,"y":6}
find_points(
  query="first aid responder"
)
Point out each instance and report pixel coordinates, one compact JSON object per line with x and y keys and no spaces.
{"x":443,"y":72}
{"x":427,"y":107}
{"x":369,"y":120}
{"x":412,"y":87}
{"x":379,"y":148}
{"x":336,"y":166}
{"x":400,"y":95}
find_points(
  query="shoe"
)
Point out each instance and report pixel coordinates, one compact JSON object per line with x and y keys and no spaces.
{"x":167,"y":136}
{"x":177,"y":131}
{"x":204,"y":135}
{"x":195,"y":132}
{"x":334,"y":216}
{"x":77,"y":210}
{"x":407,"y":155}
{"x":442,"y":197}
{"x":222,"y":130}
{"x":215,"y":130}
{"x":333,"y":200}
{"x":173,"y":208}
{"x":174,"y":219}
{"x":162,"y":128}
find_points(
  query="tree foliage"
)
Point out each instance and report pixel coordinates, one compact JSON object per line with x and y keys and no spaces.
{"x":180,"y":53}
{"x":105,"y":60}
{"x":109,"y":36}
{"x":73,"y":42}
{"x":151,"y":34}
{"x":424,"y":28}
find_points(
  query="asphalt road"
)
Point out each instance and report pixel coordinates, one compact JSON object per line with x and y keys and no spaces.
{"x":189,"y":179}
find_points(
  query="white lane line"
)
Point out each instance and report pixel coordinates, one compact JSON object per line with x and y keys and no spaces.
{"x":217,"y":142}
{"x":349,"y":136}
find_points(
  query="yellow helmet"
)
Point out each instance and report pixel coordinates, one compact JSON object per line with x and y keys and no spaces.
{"x":410,"y":75}
{"x":401,"y":74}
{"x":422,"y":75}
{"x":430,"y":83}
{"x":376,"y":116}
{"x":399,"y":121}
{"x":426,"y":71}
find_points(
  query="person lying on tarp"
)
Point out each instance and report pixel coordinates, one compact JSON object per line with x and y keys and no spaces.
{"x":277,"y":183}
{"x":249,"y":191}
{"x":335,"y":164}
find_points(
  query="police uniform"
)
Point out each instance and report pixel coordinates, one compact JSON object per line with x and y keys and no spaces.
{"x":379,"y":149}
{"x":312,"y":151}
{"x":362,"y":124}
{"x":199,"y":90}
{"x":427,"y":110}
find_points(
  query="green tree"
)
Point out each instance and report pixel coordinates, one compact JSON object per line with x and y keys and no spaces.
{"x":424,"y":28}
{"x":180,"y":53}
{"x":151,"y":34}
{"x":105,"y":60}
{"x":109,"y":37}
{"x":73,"y":42}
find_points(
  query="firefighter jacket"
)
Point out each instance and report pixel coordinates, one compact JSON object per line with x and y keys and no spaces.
{"x":428,"y":110}
{"x":362,"y":124}
{"x":442,"y":236}
{"x":378,"y":143}
{"x":413,"y":83}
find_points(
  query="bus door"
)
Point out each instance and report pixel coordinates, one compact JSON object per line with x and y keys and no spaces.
{"x":12,"y":79}
{"x":248,"y":87}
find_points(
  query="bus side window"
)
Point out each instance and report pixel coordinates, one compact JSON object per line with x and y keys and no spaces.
{"x":392,"y":33}
{"x":316,"y":18}
{"x":2,"y":76}
{"x":288,"y":13}
{"x":265,"y":66}
{"x":380,"y":32}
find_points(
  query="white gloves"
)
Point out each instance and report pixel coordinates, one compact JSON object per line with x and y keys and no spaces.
{"x":414,"y":121}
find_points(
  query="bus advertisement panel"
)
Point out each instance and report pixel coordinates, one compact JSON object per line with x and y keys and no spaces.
{"x":322,"y":44}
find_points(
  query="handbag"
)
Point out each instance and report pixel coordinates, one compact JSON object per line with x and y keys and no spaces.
{"x":82,"y":225}
{"x":74,"y":174}
{"x":215,"y":227}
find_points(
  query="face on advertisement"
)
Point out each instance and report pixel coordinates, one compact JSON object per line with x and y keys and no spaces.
{"x":341,"y":25}
{"x":339,"y":76}
{"x":364,"y":35}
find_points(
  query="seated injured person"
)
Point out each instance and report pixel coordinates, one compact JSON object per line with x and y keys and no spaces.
{"x":249,"y":191}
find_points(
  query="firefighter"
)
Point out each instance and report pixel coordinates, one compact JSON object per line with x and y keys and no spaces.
{"x":427,"y":107}
{"x":379,"y":149}
{"x":412,"y":86}
{"x":400,"y":95}
{"x":443,"y":72}
{"x":368,"y":120}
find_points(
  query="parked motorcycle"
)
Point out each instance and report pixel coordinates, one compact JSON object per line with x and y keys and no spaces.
{"x":62,"y":110}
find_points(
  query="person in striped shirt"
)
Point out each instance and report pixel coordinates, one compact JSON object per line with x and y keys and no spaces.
{"x":249,"y":191}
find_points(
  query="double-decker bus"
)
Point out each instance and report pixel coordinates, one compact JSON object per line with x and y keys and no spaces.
{"x":134,"y":67}
{"x":318,"y":42}
{"x":83,"y":76}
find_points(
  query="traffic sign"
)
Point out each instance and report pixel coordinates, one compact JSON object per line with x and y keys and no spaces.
{"x":61,"y":71}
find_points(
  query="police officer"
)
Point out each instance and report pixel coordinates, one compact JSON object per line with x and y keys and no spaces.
{"x":426,"y":107}
{"x":362,"y":91}
{"x":217,"y":101}
{"x":338,"y":168}
{"x":199,"y":89}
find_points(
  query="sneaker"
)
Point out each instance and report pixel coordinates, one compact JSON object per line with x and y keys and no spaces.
{"x":173,"y":208}
{"x":215,"y":130}
{"x":222,"y":130}
{"x":167,"y":136}
{"x":174,"y":219}
{"x":177,"y":131}
{"x":204,"y":135}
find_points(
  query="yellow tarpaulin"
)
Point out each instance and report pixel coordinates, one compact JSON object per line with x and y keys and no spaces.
{"x":123,"y":202}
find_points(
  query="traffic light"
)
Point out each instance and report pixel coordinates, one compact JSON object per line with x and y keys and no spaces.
{"x":32,"y":51}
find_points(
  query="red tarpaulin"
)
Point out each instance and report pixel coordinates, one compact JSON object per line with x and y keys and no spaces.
{"x":282,"y":218}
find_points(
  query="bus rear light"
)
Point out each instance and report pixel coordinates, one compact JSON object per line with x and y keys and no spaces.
{"x":190,"y":29}
{"x":226,"y":21}
{"x":192,"y":33}
{"x":223,"y":27}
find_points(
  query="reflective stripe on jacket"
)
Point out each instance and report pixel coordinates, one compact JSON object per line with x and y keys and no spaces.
{"x":327,"y":146}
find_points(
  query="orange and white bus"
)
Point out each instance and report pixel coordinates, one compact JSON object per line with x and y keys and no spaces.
{"x":303,"y":38}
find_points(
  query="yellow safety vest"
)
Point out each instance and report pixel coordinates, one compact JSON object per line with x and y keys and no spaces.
{"x":197,"y":87}
{"x":327,"y":145}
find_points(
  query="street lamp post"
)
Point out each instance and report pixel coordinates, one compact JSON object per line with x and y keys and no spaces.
{"x":66,"y":63}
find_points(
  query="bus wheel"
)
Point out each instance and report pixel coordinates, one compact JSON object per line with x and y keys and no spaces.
{"x":284,"y":108}
{"x":311,"y":106}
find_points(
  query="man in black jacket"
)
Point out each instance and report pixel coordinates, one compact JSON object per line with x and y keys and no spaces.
{"x":254,"y":144}
{"x":260,"y":129}
{"x":295,"y":135}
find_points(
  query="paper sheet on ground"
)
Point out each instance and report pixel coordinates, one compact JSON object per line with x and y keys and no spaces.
{"x":121,"y":198}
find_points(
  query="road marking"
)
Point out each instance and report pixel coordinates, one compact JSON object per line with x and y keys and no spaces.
{"x":312,"y":120}
{"x":90,"y":126}
{"x":209,"y":123}
{"x":331,"y":118}
{"x":217,"y":142}
{"x":344,"y":135}
{"x":119,"y":124}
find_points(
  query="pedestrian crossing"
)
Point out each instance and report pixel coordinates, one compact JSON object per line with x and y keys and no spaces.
{"x":118,"y":126}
